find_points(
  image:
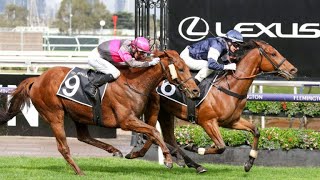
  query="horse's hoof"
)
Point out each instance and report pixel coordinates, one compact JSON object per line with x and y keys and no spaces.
{"x":247,"y":166}
{"x":168,"y":165}
{"x":80,"y":173}
{"x":117,"y":154}
{"x":129,"y":156}
{"x":181,"y":164}
{"x":200,"y":170}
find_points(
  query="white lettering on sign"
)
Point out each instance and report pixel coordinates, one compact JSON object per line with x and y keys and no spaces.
{"x":30,"y":113}
{"x":255,"y":96}
{"x":248,"y":29}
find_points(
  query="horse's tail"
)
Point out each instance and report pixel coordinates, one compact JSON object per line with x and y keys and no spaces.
{"x":20,"y":97}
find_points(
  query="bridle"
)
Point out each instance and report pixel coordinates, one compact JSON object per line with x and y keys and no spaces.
{"x":263,"y":53}
{"x":173,"y":73}
{"x":167,"y":73}
{"x":276,"y":66}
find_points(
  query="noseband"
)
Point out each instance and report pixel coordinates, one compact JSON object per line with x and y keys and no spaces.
{"x":177,"y":82}
{"x":276,"y":66}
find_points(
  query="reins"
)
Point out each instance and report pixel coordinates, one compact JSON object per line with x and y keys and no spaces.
{"x":262,"y":54}
{"x":178,"y":84}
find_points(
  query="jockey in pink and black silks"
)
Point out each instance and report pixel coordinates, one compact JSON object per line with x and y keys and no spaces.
{"x":123,"y":52}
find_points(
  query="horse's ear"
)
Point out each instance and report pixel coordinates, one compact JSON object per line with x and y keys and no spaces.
{"x":159,"y":53}
{"x":156,"y":51}
{"x":256,"y":42}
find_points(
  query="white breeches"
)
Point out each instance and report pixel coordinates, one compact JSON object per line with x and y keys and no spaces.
{"x":195,"y":64}
{"x":102,"y":65}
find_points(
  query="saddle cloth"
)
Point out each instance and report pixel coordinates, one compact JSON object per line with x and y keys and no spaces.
{"x":72,"y":86}
{"x":171,"y":92}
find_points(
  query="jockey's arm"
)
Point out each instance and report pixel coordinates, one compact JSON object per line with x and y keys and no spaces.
{"x":131,"y":61}
{"x":134,"y":63}
{"x":213,"y":56}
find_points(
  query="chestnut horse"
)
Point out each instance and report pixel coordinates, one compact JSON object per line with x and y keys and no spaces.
{"x":124,"y":101}
{"x":223,"y":105}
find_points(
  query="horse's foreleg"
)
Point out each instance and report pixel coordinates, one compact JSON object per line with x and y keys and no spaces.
{"x":134,"y":124}
{"x":212,"y":129}
{"x":83,"y":135}
{"x":243,"y":124}
{"x":151,"y":117}
{"x":166,"y":121}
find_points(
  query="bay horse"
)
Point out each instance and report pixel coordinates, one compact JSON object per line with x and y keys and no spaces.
{"x":222,"y":106}
{"x":124,"y":102}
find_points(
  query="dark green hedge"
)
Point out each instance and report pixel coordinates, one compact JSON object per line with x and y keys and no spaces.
{"x":289,"y":109}
{"x":270,"y":138}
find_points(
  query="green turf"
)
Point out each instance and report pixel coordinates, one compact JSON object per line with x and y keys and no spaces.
{"x":114,"y":168}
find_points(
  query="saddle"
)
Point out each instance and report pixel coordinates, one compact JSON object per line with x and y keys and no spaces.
{"x":172,"y":93}
{"x":72,"y":88}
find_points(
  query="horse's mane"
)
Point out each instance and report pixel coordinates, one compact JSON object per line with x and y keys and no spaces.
{"x":246,"y":47}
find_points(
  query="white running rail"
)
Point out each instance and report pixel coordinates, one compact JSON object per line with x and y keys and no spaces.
{"x":33,"y":60}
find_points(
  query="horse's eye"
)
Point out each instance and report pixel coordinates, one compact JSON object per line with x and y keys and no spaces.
{"x":274,"y":54}
{"x":181,"y":71}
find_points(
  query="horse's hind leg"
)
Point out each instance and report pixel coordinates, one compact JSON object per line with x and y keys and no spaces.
{"x":243,"y":124}
{"x":57,"y":127}
{"x":83,"y":135}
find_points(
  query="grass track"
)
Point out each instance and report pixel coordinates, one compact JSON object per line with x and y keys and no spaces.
{"x":114,"y":168}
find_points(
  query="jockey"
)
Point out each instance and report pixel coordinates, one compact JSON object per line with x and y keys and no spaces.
{"x":122,"y":52}
{"x":204,"y":55}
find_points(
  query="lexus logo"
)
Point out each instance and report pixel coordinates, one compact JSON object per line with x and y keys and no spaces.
{"x":190,"y":35}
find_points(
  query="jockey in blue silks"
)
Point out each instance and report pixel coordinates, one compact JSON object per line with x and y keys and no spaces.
{"x":204,"y":55}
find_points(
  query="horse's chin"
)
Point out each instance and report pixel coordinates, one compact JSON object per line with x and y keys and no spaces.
{"x":286,"y":75}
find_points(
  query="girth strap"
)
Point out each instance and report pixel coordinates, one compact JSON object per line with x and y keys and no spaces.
{"x":191,"y":107}
{"x":230,"y":93}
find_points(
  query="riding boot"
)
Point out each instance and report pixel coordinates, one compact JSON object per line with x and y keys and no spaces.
{"x":99,"y":80}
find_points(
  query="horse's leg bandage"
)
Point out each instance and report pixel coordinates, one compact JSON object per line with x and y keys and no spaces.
{"x":201,"y":151}
{"x":253,"y":153}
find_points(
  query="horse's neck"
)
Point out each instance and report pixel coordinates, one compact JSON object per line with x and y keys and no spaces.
{"x":247,"y":67}
{"x":144,"y":80}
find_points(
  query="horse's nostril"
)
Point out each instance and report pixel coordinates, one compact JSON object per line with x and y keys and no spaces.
{"x":196,"y":92}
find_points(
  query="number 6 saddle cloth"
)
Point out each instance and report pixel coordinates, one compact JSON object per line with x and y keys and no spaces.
{"x":171,"y":92}
{"x":72,"y":86}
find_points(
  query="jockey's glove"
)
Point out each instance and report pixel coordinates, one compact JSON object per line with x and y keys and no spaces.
{"x":231,"y":66}
{"x":154,"y":61}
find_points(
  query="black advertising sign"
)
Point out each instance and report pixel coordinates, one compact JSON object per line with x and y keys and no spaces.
{"x":291,"y":26}
{"x":29,"y":123}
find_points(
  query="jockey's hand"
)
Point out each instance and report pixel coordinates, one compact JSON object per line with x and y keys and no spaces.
{"x":231,"y":66}
{"x":154,"y":61}
{"x":232,"y":57}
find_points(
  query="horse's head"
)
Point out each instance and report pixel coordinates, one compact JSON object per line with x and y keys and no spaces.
{"x":177,"y":72}
{"x":272,"y":61}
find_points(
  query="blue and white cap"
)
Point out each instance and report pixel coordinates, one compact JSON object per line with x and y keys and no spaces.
{"x":234,"y":36}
